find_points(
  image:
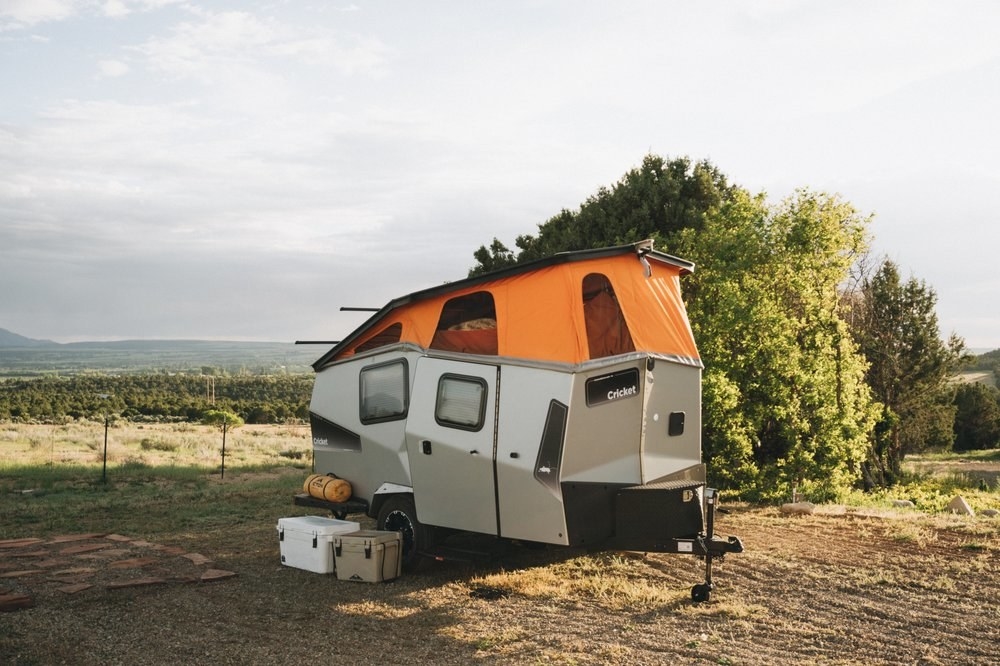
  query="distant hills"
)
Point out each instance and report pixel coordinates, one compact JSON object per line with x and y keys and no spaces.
{"x":22,"y":356}
{"x":11,"y":339}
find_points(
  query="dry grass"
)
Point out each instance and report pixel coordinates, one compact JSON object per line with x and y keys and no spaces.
{"x":847,"y":585}
{"x":153,"y":445}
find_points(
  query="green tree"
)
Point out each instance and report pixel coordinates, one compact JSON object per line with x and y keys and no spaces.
{"x":764,"y":306}
{"x":660,"y":198}
{"x":784,"y":401}
{"x":494,"y":258}
{"x":977,"y":417}
{"x":221,"y":418}
{"x":896,"y":327}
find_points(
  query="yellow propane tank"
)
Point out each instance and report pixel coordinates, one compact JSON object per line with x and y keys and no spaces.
{"x":308,"y":481}
{"x":329,"y":487}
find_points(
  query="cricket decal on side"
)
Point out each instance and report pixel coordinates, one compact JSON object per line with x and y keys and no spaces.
{"x":556,"y":402}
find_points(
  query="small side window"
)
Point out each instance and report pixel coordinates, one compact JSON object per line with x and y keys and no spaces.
{"x":387,"y":336}
{"x":607,"y":332}
{"x":385,"y":394}
{"x":675,"y":424}
{"x":461,"y":402}
{"x":468,"y":324}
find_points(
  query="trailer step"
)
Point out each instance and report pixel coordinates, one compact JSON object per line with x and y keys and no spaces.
{"x":339,"y":509}
{"x":468,"y":548}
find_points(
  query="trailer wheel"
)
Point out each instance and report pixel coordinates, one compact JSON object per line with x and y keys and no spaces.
{"x":399,"y":514}
{"x":700,"y":593}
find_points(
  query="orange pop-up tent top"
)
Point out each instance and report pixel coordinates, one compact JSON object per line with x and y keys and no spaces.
{"x":568,"y":308}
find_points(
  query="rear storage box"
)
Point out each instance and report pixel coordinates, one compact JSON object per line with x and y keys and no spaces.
{"x":307,"y":541}
{"x":368,"y":555}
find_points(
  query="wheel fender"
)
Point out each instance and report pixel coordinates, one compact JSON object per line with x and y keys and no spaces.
{"x":385,"y":491}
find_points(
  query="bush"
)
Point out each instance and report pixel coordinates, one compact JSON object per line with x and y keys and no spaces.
{"x":152,"y":444}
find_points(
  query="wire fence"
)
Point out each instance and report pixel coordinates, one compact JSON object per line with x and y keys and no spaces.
{"x":105,"y":448}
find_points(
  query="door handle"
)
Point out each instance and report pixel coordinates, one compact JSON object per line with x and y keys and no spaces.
{"x":515,"y":454}
{"x":425,"y":446}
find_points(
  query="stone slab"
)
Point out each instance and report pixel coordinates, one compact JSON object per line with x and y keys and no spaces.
{"x":960,"y":506}
{"x":216,"y":574}
{"x":76,"y":587}
{"x":84,"y":548}
{"x":196,"y":558}
{"x":30,"y":553}
{"x":170,"y":550}
{"x":105,"y":554}
{"x":18,"y":543}
{"x":21,"y":574}
{"x":70,"y":538}
{"x":74,"y":571}
{"x":69,"y":580}
{"x":798,"y":508}
{"x":133,"y":563}
{"x":135,"y":582}
{"x":15,"y":601}
{"x":51,"y":563}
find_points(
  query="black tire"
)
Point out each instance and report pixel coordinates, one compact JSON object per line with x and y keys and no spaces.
{"x":700,"y":593}
{"x":399,"y":514}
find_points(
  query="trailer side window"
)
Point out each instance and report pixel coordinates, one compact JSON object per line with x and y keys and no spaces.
{"x":461,"y":402}
{"x":385,"y":394}
{"x":607,"y":331}
{"x":387,"y":336}
{"x":468,"y":324}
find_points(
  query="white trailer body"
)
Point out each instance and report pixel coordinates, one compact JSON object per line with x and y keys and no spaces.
{"x":557,"y":402}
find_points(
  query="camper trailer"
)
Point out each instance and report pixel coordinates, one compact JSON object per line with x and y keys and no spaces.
{"x":554,"y":402}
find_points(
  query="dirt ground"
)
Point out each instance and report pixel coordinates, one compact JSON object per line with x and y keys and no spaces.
{"x":837,"y":587}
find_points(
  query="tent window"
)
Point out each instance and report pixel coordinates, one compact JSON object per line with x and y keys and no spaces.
{"x":607,"y":332}
{"x":387,"y":336}
{"x":461,"y":402}
{"x":385,"y":393}
{"x":468,"y":324}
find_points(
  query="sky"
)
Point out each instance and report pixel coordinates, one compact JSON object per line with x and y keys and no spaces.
{"x":241,"y":170}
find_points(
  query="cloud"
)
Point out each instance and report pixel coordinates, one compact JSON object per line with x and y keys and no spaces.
{"x":212,"y":47}
{"x":25,"y":13}
{"x":109,"y":69}
{"x":20,"y":14}
{"x":294,"y":157}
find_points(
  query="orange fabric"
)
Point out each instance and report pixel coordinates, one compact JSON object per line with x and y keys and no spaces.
{"x":483,"y":341}
{"x":540,"y":315}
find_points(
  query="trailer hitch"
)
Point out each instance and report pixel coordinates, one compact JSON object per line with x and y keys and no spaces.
{"x":712,"y":547}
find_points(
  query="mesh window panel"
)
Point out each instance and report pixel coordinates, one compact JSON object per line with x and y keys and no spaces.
{"x":383,"y":392}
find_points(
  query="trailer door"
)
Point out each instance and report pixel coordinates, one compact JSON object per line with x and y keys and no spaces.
{"x":451,"y":444}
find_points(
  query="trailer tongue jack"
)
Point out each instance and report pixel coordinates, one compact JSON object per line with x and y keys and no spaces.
{"x":713,"y":547}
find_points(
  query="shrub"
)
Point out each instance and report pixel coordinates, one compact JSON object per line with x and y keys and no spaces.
{"x":153,"y":444}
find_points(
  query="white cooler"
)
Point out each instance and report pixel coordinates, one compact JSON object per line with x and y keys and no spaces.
{"x":306,"y":542}
{"x":370,"y":556}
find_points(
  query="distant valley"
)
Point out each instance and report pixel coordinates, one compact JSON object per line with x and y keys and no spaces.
{"x":21,"y":356}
